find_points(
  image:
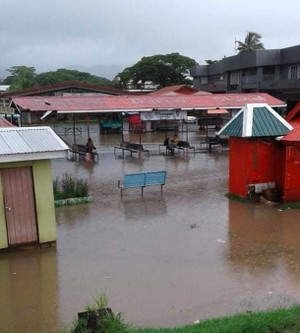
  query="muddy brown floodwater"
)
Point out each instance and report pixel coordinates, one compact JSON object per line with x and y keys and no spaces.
{"x":163,"y":261}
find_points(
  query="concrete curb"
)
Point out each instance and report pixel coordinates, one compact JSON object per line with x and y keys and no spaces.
{"x":72,"y":201}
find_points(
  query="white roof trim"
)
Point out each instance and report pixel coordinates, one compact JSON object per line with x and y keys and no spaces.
{"x":32,"y":156}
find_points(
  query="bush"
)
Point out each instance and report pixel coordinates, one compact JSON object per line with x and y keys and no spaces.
{"x":69,"y":187}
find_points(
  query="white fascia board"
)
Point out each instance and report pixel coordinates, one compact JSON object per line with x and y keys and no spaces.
{"x":33,"y":156}
{"x":247,"y":120}
{"x":46,"y":114}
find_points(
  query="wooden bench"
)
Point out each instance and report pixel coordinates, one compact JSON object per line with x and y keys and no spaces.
{"x":79,"y":151}
{"x":216,"y":141}
{"x":131,"y":147}
{"x":181,"y":146}
{"x":142,"y":180}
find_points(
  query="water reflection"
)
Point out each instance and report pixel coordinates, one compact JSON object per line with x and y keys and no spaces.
{"x":263,"y":237}
{"x":28,"y":291}
{"x":139,"y":209}
{"x":188,"y":254}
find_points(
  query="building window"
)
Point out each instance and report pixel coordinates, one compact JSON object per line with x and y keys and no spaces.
{"x":269,"y":70}
{"x":294,"y":72}
{"x":204,"y":80}
{"x":234,"y":78}
{"x":249,"y":71}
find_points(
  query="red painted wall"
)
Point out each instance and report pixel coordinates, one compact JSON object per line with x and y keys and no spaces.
{"x":292,"y":174}
{"x":253,"y":161}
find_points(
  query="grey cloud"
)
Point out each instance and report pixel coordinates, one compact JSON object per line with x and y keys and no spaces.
{"x":59,"y":33}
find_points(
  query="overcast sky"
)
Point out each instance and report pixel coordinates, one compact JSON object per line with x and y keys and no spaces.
{"x":52,"y":34}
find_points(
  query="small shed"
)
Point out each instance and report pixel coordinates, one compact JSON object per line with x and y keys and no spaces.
{"x":256,"y":158}
{"x":27,"y":213}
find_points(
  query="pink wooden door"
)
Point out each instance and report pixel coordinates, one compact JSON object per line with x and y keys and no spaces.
{"x":19,"y":205}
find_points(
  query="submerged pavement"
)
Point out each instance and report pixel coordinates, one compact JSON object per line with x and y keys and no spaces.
{"x":163,"y":261}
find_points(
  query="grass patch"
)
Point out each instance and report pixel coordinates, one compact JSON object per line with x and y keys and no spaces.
{"x":289,"y":205}
{"x":69,"y":187}
{"x":275,"y":321}
{"x":238,"y":198}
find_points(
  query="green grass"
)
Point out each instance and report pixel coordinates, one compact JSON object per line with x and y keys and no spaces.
{"x":69,"y":187}
{"x":289,"y":205}
{"x":275,"y":321}
{"x":238,"y":198}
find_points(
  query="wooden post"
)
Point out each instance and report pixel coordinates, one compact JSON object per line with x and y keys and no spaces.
{"x":74,"y":129}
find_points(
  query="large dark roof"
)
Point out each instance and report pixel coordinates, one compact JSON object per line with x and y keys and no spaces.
{"x":65,"y":85}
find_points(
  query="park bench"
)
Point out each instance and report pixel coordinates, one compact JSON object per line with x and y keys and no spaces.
{"x":181,"y":146}
{"x":79,"y":151}
{"x":131,"y":147}
{"x":142,"y":180}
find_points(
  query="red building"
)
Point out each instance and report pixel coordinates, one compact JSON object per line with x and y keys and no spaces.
{"x":257,"y":158}
{"x":291,"y":142}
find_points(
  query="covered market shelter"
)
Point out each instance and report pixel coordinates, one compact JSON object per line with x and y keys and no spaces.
{"x":149,"y":107}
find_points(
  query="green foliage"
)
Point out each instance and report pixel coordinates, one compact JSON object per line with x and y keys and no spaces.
{"x":251,"y":42}
{"x":238,"y":198}
{"x":290,"y":205}
{"x":161,"y":70}
{"x":279,"y":321}
{"x":64,"y":75}
{"x":21,"y":77}
{"x":109,"y":323}
{"x":100,"y":302}
{"x":211,"y":62}
{"x":69,"y":187}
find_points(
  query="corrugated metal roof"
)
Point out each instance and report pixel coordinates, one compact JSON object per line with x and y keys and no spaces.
{"x":266,"y":124}
{"x":25,"y":140}
{"x":5,"y":123}
{"x":82,"y":104}
{"x":235,"y":128}
{"x":294,"y":113}
{"x":179,"y":89}
{"x":256,"y":120}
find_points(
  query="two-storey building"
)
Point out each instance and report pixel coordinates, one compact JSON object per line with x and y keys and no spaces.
{"x":276,"y":72}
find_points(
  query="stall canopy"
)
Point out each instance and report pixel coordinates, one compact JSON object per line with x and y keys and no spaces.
{"x":217,"y":111}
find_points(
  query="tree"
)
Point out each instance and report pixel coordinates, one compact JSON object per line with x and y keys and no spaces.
{"x":161,"y":70}
{"x":252,"y":42}
{"x":64,"y":75}
{"x":21,"y":77}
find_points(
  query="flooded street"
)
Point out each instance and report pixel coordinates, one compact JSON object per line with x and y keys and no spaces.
{"x":163,"y":261}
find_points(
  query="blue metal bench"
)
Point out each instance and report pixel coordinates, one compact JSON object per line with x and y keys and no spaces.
{"x":142,"y":180}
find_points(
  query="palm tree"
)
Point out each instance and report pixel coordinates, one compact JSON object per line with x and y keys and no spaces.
{"x":252,"y":42}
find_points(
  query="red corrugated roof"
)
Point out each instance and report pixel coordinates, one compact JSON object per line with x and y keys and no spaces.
{"x":294,"y":113}
{"x":140,"y":103}
{"x":5,"y":123}
{"x":179,"y":89}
